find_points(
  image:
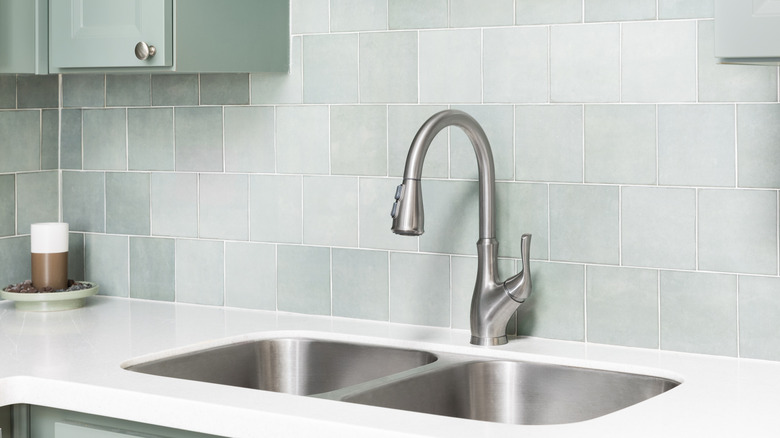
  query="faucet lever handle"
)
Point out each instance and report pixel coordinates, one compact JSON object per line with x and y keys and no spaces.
{"x":519,"y":286}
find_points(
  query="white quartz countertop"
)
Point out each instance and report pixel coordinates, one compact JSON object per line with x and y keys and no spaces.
{"x":71,"y":360}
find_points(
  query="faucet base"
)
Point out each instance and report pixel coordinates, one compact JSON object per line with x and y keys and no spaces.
{"x":498,"y":340}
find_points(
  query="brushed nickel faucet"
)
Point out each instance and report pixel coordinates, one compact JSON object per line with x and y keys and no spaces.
{"x":493,"y":302}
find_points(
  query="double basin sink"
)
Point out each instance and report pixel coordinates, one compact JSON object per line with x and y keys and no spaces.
{"x":438,"y":383}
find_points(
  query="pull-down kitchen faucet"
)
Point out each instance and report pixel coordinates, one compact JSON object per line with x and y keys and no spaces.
{"x":493,"y":302}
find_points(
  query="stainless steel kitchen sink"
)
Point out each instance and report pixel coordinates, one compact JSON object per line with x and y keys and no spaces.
{"x":516,"y":392}
{"x":439,"y":383}
{"x":290,"y":365}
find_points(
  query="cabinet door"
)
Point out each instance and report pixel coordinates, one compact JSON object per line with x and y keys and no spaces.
{"x":100,"y":33}
{"x":747,"y":30}
{"x":24,"y":36}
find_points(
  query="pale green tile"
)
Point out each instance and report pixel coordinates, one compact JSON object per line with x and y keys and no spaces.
{"x":658,"y":227}
{"x":224,"y":89}
{"x":128,"y":90}
{"x":303,"y":278}
{"x":451,"y":217}
{"x":152,"y":274}
{"x":478,"y":13}
{"x":20,"y":144}
{"x":200,"y":272}
{"x":658,"y":61}
{"x":127,"y":203}
{"x":758,"y":156}
{"x":358,"y":140}
{"x":198,"y":139}
{"x":7,"y":205}
{"x":521,"y":209}
{"x":403,"y":122}
{"x":50,"y":141}
{"x":37,"y":91}
{"x":14,"y":260}
{"x":699,"y":313}
{"x":548,"y":11}
{"x":309,"y":16}
{"x":106,"y":263}
{"x":619,"y":10}
{"x":450,"y":68}
{"x":174,"y":202}
{"x":330,"y":211}
{"x":498,"y":123}
{"x":671,"y":9}
{"x":302,"y":139}
{"x":7,"y":91}
{"x":360,"y":284}
{"x":417,"y":14}
{"x":585,"y":63}
{"x":696,"y":145}
{"x":250,"y":275}
{"x":150,"y":139}
{"x":556,"y":307}
{"x":39,"y":199}
{"x":759,"y":312}
{"x":83,"y":201}
{"x":175,"y":89}
{"x":105,"y":139}
{"x":388,"y":67}
{"x":549,"y":143}
{"x":515,"y":64}
{"x":622,"y":306}
{"x":463,"y":276}
{"x":584,"y":224}
{"x":275,"y":210}
{"x":83,"y":90}
{"x":376,"y":200}
{"x":268,"y":88}
{"x":352,"y":15}
{"x":76,"y":256}
{"x":620,"y":144}
{"x":419,"y":289}
{"x":330,"y":65}
{"x":730,"y":82}
{"x":223,"y":206}
{"x":70,"y":139}
{"x":249,"y":139}
{"x":737,"y":231}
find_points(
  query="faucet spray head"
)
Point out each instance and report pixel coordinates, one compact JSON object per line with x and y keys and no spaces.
{"x":407,"y":213}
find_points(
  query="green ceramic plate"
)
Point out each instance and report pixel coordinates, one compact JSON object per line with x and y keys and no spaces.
{"x":50,"y":301}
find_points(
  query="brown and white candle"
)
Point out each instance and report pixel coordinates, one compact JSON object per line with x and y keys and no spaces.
{"x":49,"y":248}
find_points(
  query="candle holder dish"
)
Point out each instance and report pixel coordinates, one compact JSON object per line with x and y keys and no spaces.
{"x":50,"y":301}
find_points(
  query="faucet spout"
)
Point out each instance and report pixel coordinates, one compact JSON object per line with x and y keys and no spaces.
{"x":493,"y":302}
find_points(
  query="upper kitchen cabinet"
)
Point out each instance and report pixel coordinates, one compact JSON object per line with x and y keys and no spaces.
{"x":186,"y":36}
{"x":24,"y":36}
{"x":747,"y":31}
{"x":104,"y":34}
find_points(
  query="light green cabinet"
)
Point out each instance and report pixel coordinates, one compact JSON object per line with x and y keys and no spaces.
{"x":189,"y":35}
{"x":24,"y":36}
{"x":99,"y":33}
{"x":747,"y":31}
{"x":56,"y":423}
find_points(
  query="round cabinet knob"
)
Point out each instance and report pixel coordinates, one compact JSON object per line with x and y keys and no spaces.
{"x":144,"y":51}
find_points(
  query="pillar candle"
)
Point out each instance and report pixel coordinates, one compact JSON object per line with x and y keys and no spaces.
{"x":49,"y":248}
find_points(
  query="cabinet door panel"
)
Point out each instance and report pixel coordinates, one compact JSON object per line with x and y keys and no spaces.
{"x":99,"y":33}
{"x":746,"y":30}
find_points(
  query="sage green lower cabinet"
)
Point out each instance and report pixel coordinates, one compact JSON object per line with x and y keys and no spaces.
{"x":57,"y":423}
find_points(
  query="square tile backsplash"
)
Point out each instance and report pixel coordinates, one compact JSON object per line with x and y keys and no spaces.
{"x":647,"y":172}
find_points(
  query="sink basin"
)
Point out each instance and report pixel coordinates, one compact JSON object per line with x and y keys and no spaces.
{"x":516,"y":392}
{"x":291,"y":365}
